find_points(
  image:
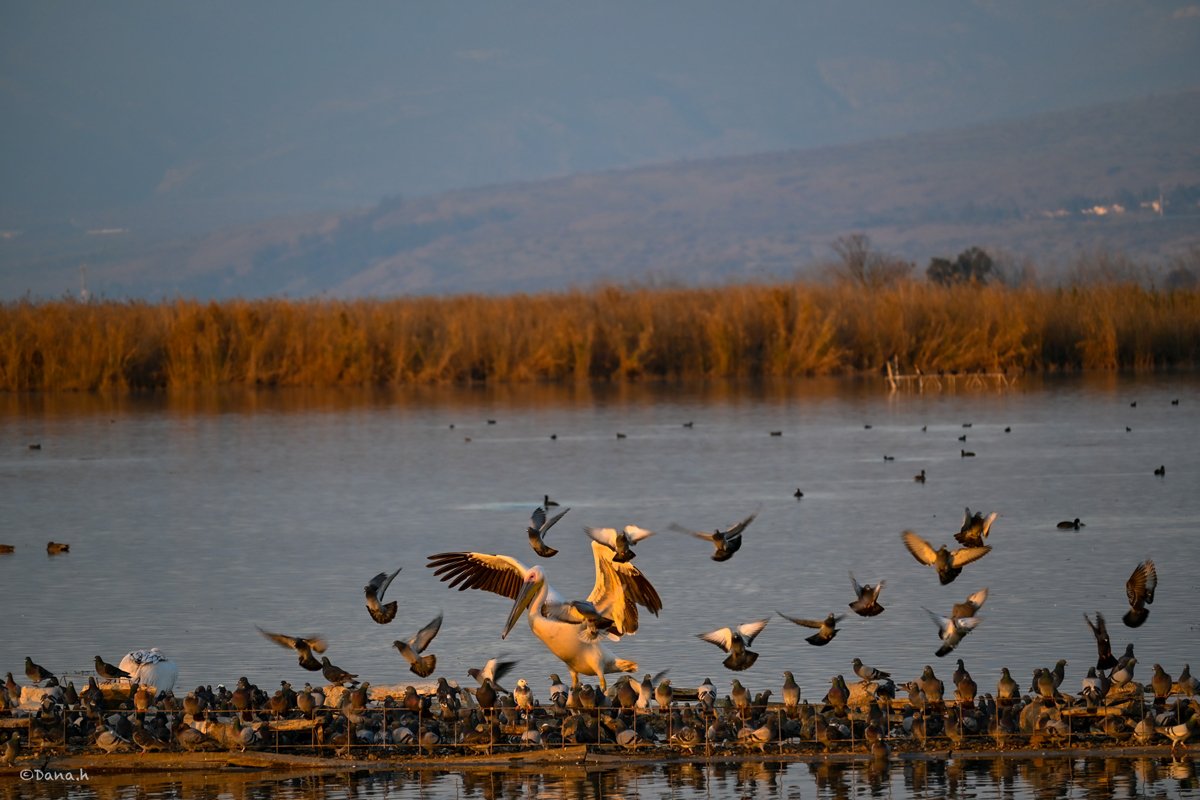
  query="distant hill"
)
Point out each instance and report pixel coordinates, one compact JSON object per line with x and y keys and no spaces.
{"x":1121,"y":178}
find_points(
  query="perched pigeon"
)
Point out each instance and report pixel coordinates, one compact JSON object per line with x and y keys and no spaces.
{"x":108,"y":671}
{"x":335,"y":674}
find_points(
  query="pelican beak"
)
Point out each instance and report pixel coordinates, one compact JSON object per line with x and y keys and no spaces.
{"x":524,"y":598}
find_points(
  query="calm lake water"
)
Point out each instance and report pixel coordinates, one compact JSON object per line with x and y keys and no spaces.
{"x":194,"y":518}
{"x":976,"y":779}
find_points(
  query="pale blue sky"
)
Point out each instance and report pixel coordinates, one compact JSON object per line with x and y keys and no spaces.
{"x":238,"y":110}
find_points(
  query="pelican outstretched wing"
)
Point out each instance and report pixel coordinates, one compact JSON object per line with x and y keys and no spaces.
{"x":502,"y":575}
{"x":620,"y":589}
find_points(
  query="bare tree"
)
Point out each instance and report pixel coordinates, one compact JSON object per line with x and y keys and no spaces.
{"x":860,"y":264}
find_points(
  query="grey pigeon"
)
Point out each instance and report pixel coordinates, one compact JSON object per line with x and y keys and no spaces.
{"x":727,"y":542}
{"x":826,"y":628}
{"x":374,"y":592}
{"x":1104,"y":654}
{"x":413,"y":647}
{"x":36,"y":672}
{"x":951,"y":630}
{"x":736,"y":642}
{"x":335,"y":674}
{"x":108,"y":671}
{"x":539,"y":525}
{"x":1139,"y":590}
{"x":975,"y":528}
{"x":304,"y":646}
{"x":866,"y":603}
{"x":948,"y":564}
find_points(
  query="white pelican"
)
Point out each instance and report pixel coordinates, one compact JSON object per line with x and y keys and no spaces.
{"x":620,"y":588}
{"x":151,"y":668}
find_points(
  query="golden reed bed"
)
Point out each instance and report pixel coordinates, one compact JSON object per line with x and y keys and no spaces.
{"x":606,"y":333}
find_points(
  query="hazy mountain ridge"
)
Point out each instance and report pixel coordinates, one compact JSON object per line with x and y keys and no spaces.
{"x":1019,"y":187}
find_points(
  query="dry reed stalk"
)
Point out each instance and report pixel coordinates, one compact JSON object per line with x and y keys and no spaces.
{"x":608,"y":333}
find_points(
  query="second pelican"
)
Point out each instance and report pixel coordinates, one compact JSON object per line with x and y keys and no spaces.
{"x":620,"y":588}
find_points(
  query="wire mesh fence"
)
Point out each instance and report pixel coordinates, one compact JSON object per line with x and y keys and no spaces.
{"x":430,"y":726}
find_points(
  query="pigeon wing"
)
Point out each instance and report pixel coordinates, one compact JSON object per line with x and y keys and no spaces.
{"x":741,"y":526}
{"x":808,"y":623}
{"x":978,"y":598}
{"x":636,"y":534}
{"x":1142,"y":583}
{"x":426,"y":634}
{"x":381,"y":587}
{"x":966,"y":555}
{"x":921,"y":550}
{"x":722,"y":638}
{"x":605,"y":536}
{"x":749,"y":630}
{"x":554,"y":519}
{"x":710,"y":537}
